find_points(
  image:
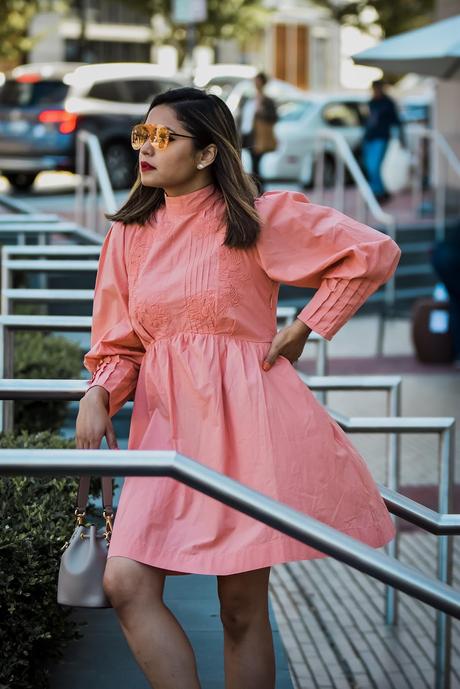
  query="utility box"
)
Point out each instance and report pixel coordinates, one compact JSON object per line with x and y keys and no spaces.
{"x":431,"y":333}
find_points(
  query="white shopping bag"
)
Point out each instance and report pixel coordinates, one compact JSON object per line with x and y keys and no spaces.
{"x":395,"y":170}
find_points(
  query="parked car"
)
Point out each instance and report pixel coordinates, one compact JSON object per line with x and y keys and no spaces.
{"x":300,"y":119}
{"x":221,"y":78}
{"x":43,"y":106}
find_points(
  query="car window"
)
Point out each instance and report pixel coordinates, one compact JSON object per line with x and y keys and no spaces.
{"x":107,"y":90}
{"x":291,"y":111}
{"x":143,"y":90}
{"x":221,"y":86}
{"x":341,"y":115}
{"x":26,"y":94}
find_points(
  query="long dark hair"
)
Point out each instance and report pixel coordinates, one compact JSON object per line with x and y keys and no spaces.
{"x":209,"y":120}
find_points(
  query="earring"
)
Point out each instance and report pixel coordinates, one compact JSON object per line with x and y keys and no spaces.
{"x":200,"y":166}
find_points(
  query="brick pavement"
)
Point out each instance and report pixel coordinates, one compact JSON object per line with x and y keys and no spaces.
{"x":330,"y":615}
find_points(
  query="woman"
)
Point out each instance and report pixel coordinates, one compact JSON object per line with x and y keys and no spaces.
{"x":258,"y":124}
{"x":185,"y":317}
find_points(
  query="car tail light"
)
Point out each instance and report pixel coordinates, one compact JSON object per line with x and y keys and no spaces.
{"x":67,"y":121}
{"x":29,"y":78}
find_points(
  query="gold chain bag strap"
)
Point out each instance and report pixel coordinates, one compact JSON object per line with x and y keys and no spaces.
{"x":85,"y":555}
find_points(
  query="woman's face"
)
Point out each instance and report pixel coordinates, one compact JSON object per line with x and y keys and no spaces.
{"x":174,"y":169}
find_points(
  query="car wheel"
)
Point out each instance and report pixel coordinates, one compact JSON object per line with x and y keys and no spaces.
{"x":120,"y":165}
{"x":21,"y":181}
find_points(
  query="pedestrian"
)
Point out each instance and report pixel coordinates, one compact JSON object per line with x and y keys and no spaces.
{"x":383,"y":116}
{"x":185,"y":320}
{"x":258,"y":119}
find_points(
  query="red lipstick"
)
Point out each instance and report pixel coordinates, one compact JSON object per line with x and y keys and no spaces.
{"x":146,"y":166}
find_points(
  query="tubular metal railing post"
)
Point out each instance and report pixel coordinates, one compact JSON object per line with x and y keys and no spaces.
{"x":440,"y":202}
{"x":392,"y":481}
{"x":80,"y":164}
{"x":98,"y":178}
{"x":92,"y":198}
{"x":445,"y":560}
{"x":339,"y":188}
{"x":319,"y":171}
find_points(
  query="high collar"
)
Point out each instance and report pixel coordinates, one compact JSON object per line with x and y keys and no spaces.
{"x":185,"y":204}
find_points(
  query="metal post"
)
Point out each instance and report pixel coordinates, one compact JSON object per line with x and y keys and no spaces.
{"x":392,"y":481}
{"x":8,"y":372}
{"x":80,"y":190}
{"x":319,"y":175}
{"x":445,"y":557}
{"x":339,"y":188}
{"x":321,"y":367}
{"x":440,"y":201}
{"x":93,"y":210}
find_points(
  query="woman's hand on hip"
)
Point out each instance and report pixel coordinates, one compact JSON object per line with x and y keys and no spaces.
{"x":93,"y":421}
{"x":288,"y":342}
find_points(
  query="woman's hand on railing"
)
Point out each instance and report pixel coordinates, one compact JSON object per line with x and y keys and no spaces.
{"x":93,"y":421}
{"x":288,"y":342}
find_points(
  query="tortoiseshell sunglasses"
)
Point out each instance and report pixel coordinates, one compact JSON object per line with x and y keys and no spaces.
{"x":158,"y":134}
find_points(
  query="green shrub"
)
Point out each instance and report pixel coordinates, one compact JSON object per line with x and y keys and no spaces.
{"x":35,"y":519}
{"x":39,"y":355}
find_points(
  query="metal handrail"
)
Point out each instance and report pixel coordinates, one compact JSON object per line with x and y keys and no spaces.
{"x":392,"y":386}
{"x":443,"y":623}
{"x":15,"y":205}
{"x":98,"y":176}
{"x":238,"y":496}
{"x":43,"y":296}
{"x":28,"y":217}
{"x":365,"y":197}
{"x":12,"y":323}
{"x":440,"y":146}
{"x":42,"y":230}
{"x":418,"y":514}
{"x":9,"y":250}
{"x":46,"y":265}
{"x":346,"y":159}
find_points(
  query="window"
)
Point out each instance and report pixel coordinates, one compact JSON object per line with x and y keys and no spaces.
{"x":25,"y":94}
{"x":107,"y":90}
{"x":292,"y":111}
{"x":341,"y":115}
{"x":143,"y":90}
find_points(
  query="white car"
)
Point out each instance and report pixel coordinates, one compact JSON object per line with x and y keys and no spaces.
{"x":221,"y":78}
{"x":299,"y":120}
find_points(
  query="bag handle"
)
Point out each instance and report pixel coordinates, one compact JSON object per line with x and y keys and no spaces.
{"x":82,"y":501}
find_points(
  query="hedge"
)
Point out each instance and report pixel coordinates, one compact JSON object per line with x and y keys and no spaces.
{"x":36,"y":518}
{"x":39,"y":355}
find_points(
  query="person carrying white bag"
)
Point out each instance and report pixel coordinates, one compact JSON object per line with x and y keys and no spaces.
{"x":377,"y":143}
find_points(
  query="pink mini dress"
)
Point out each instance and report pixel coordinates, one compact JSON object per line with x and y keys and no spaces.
{"x":183,"y":323}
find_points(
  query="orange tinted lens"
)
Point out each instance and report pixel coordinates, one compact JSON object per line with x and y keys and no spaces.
{"x":161,"y":137}
{"x":139,"y":136}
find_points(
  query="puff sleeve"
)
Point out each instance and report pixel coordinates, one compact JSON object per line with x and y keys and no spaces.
{"x":116,"y":351}
{"x":307,"y":245}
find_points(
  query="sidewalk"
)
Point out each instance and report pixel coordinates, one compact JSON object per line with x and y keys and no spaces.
{"x":103,"y":659}
{"x":330,"y":615}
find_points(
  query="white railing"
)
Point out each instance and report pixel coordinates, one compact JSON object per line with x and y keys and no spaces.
{"x":91,"y":167}
{"x":435,"y":164}
{"x":327,"y":141}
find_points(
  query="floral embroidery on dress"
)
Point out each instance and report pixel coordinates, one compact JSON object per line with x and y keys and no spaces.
{"x":233,"y":273}
{"x":137,"y":253}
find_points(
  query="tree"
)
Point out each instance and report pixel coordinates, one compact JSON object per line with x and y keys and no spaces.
{"x":392,"y":17}
{"x":15,"y":17}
